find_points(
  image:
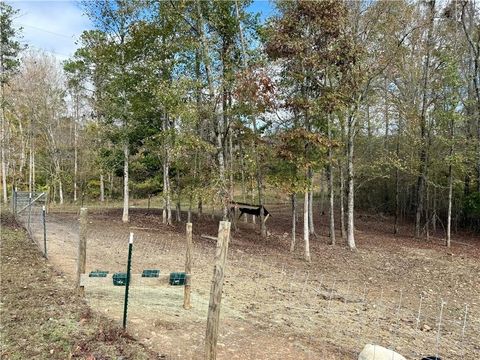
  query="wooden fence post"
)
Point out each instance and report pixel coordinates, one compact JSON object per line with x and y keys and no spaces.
{"x":82,"y":249}
{"x":216,"y":291}
{"x":188,"y":268}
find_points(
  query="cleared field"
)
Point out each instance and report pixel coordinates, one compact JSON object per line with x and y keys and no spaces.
{"x":277,"y":306}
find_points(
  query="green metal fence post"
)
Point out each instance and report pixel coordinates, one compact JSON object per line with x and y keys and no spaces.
{"x":127,"y":285}
{"x":44,"y":231}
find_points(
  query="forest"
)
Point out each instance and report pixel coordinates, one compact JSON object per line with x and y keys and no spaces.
{"x":366,"y":106}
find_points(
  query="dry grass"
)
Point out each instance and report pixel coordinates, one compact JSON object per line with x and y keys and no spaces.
{"x":42,"y":318}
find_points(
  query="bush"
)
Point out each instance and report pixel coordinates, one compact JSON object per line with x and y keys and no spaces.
{"x":471,"y":209}
{"x":92,"y":190}
{"x":472,"y":205}
{"x":149,"y":187}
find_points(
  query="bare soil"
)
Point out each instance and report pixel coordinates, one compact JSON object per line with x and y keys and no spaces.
{"x":277,"y":306}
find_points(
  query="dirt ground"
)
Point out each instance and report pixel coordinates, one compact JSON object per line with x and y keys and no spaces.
{"x":42,"y":318}
{"x":414,"y":296}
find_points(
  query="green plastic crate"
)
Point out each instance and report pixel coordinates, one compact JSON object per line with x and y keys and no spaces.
{"x":177,"y":278}
{"x":98,"y":273}
{"x":120,"y":279}
{"x":151,"y":273}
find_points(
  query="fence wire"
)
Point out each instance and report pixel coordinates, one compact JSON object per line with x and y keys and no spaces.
{"x":261,"y":297}
{"x":30,"y":210}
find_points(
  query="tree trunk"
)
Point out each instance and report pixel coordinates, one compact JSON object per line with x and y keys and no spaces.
{"x":224,"y":194}
{"x":244,"y":191}
{"x":191,"y":190}
{"x":218,"y":116}
{"x":33,"y":171}
{"x":420,"y":193}
{"x":263,"y":227}
{"x":4,"y":175}
{"x":305,"y":227}
{"x":60,"y":191}
{"x":252,"y":196}
{"x":331,"y":209}
{"x":125,"y":182}
{"x":450,"y":184}
{"x":230,"y":156}
{"x":427,"y":211}
{"x":179,"y":195}
{"x":330,"y":184}
{"x":111,"y":186}
{"x":311,"y":225}
{"x":75,"y":155}
{"x":198,"y":99}
{"x":178,"y":211}
{"x":4,"y":147}
{"x":350,"y":183}
{"x":54,"y":197}
{"x":423,"y":131}
{"x":294,"y":222}
{"x":102,"y":189}
{"x":23,"y":150}
{"x":59,"y":179}
{"x":397,"y":185}
{"x":449,"y":213}
{"x":169,"y":198}
{"x":167,"y":209}
{"x":434,"y":213}
{"x":164,"y":211}
{"x":386,"y":193}
{"x":244,"y":59}
{"x":75,"y":187}
{"x":478,"y":149}
{"x":3,"y":141}
{"x":190,"y":205}
{"x":369,"y":122}
{"x":322,"y":193}
{"x":474,"y":50}
{"x":342,"y":201}
{"x":222,"y":144}
{"x":30,"y":167}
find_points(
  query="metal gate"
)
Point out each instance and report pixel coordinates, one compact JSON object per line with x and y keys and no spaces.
{"x":29,"y":210}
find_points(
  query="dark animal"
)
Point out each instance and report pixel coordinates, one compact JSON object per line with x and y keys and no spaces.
{"x":249,"y":209}
{"x":255,"y":212}
{"x":431,"y":358}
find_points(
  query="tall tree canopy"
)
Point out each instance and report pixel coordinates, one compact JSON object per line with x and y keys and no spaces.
{"x":372,"y":104}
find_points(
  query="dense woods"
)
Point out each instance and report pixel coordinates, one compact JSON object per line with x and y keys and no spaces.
{"x":354,"y":105}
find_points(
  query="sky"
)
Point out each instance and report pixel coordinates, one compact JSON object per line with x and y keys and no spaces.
{"x":54,"y":26}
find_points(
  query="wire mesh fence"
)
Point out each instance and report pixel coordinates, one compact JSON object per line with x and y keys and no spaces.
{"x":306,"y":305}
{"x":30,"y":210}
{"x":260,"y":293}
{"x":314,"y":304}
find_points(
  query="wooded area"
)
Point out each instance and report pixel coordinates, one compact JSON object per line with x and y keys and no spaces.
{"x":202,"y":102}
